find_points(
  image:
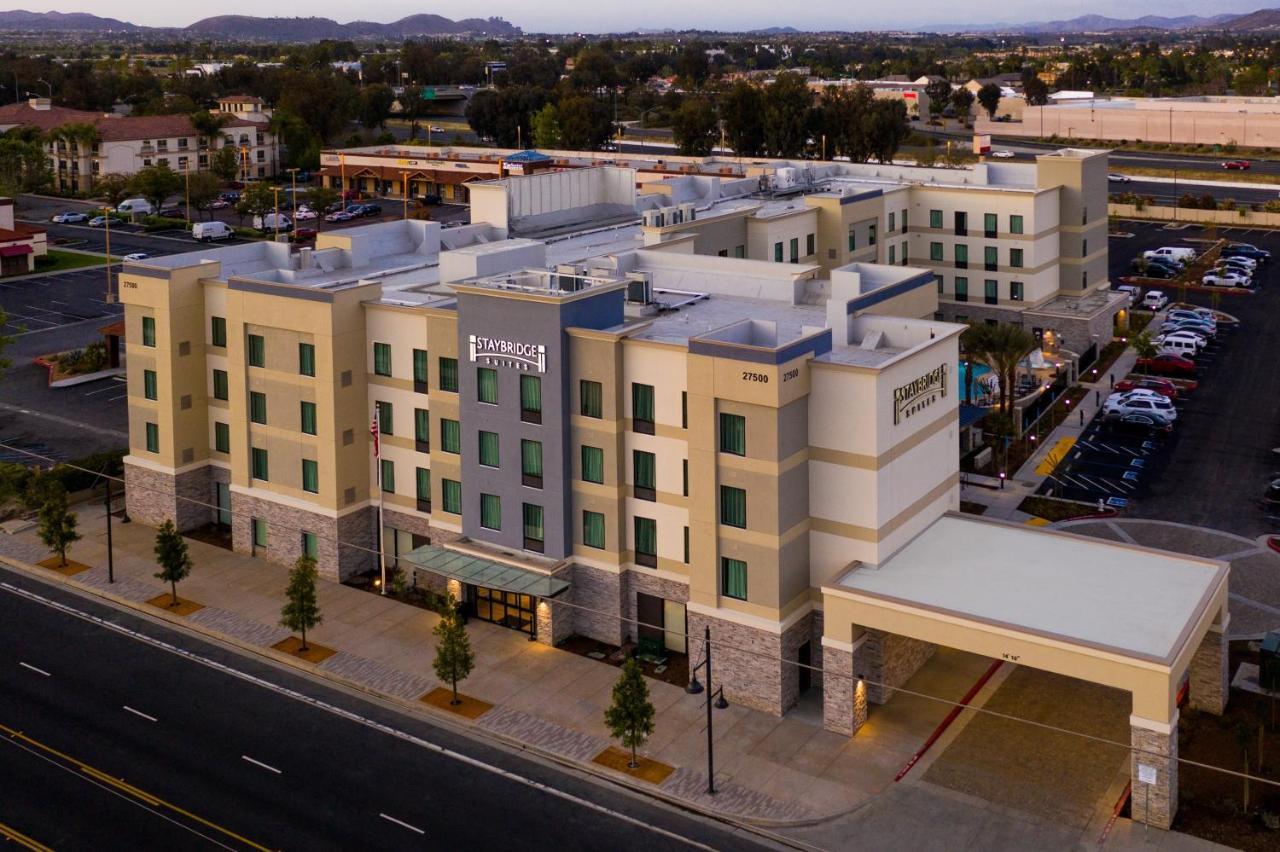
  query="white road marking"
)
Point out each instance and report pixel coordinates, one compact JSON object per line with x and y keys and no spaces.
{"x":260,"y":763}
{"x":402,"y":823}
{"x":140,"y":713}
{"x":34,"y":669}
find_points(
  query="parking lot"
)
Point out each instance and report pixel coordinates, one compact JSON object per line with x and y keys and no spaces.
{"x":43,"y":302}
{"x":1213,"y":469}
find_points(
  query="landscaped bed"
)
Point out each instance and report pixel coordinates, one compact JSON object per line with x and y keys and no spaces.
{"x":1052,"y":509}
{"x":58,"y":261}
{"x":75,"y":362}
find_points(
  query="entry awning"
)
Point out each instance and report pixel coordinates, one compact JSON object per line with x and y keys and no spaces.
{"x":477,"y":571}
{"x":15,"y":251}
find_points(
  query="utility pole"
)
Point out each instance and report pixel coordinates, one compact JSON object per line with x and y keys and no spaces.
{"x":717,"y":694}
{"x":186,"y":192}
{"x":275,"y":191}
{"x":293,"y":192}
{"x":404,"y":190}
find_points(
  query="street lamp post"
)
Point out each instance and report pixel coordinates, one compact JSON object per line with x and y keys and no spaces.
{"x":275,"y":195}
{"x":186,"y":189}
{"x":50,"y":87}
{"x":717,"y":694}
{"x":293,"y":193}
{"x":404,"y":190}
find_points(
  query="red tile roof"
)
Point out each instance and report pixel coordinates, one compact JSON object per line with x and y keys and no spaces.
{"x":19,"y":232}
{"x":240,"y":99}
{"x":45,"y":119}
{"x":111,"y":128}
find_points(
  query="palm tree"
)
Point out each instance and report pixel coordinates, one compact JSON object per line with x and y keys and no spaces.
{"x":973,"y":345}
{"x":208,"y":125}
{"x":1004,"y":347}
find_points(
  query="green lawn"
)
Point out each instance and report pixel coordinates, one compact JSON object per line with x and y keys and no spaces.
{"x":58,"y":261}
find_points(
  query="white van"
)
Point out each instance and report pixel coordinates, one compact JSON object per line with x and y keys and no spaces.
{"x":215,"y":230}
{"x":272,"y":222}
{"x":1182,"y":256}
{"x":1155,"y":300}
{"x":1134,"y":293}
{"x":135,"y":207}
{"x":1179,"y":345}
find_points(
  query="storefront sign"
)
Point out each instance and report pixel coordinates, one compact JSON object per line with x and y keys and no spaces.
{"x":510,"y":353}
{"x":919,"y":394}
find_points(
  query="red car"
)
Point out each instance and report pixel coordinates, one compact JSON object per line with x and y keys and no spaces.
{"x":1164,"y":387}
{"x":1242,"y":165}
{"x":1168,"y":364}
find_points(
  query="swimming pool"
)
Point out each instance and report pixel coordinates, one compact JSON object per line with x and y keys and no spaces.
{"x":979,"y":370}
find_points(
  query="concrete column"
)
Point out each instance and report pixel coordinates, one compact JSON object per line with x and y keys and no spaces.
{"x":1154,"y":771}
{"x":1208,"y":672}
{"x":454,"y":587}
{"x":555,"y":622}
{"x":840,"y":708}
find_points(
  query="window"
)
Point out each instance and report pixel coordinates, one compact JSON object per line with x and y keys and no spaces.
{"x":684,"y":463}
{"x":733,"y":434}
{"x":990,"y":224}
{"x":733,"y":578}
{"x":962,"y":290}
{"x":593,"y":529}
{"x":1015,"y":224}
{"x":219,"y":384}
{"x":532,"y":527}
{"x":257,"y":351}
{"x":259,"y":460}
{"x":306,"y":359}
{"x":686,"y":545}
{"x":449,"y":374}
{"x":387,"y":469}
{"x":733,"y":506}
{"x":1015,"y":291}
{"x":937,"y":279}
{"x":531,"y":399}
{"x":489,"y":449}
{"x":871,"y":234}
{"x":149,"y":384}
{"x":310,"y":476}
{"x":148,"y":331}
{"x":422,"y":479}
{"x":420,"y":370}
{"x":646,"y":534}
{"x":308,"y":417}
{"x":962,"y":256}
{"x":386,"y":418}
{"x":893,"y":255}
{"x":642,"y":408}
{"x":935,"y":252}
{"x":422,"y":430}
{"x":644,"y":474}
{"x":592,"y":464}
{"x":591,"y":399}
{"x":1084,"y":248}
{"x":222,"y":437}
{"x":309,"y":545}
{"x":810,"y":245}
{"x":904,"y":254}
{"x":451,"y":496}
{"x":1015,"y":258}
{"x":487,"y":385}
{"x":990,"y":292}
{"x":893,"y":221}
{"x":491,"y":511}
{"x":450,"y":436}
{"x":153,"y":438}
{"x":904,"y":219}
{"x":795,"y":249}
{"x":684,"y":409}
{"x":258,"y":407}
{"x":740,"y":251}
{"x":853,"y":240}
{"x":531,"y":463}
{"x":990,"y":258}
{"x":382,"y":359}
{"x":777,"y":252}
{"x":259,"y":532}
{"x":1084,"y":215}
{"x":961,"y":223}
{"x":218,"y":331}
{"x":935,"y":218}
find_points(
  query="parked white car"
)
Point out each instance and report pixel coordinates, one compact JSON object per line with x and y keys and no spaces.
{"x":1118,"y":405}
{"x":305,"y":214}
{"x":1134,"y":293}
{"x":1164,"y":341}
{"x":1182,"y":255}
{"x":1155,"y":300}
{"x":1219,"y":278}
{"x":137,"y":255}
{"x":1003,"y":155}
{"x":135,"y":206}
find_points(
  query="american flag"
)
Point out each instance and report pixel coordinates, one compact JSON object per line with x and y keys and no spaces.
{"x":374,"y":432}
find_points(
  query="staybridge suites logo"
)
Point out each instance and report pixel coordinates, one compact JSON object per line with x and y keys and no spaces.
{"x":509,"y":353}
{"x":919,"y":394}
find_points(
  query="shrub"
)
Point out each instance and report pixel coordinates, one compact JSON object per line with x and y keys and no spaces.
{"x":162,"y":223}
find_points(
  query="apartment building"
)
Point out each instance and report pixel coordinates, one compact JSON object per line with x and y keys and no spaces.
{"x":83,"y":145}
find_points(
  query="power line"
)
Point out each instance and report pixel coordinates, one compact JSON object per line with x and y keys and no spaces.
{"x":718,"y":644}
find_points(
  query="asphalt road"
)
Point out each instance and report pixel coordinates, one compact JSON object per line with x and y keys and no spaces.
{"x":127,"y":745}
{"x":1167,"y":192}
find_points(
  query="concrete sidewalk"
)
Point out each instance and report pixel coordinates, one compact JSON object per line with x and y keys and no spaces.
{"x":787,"y":773}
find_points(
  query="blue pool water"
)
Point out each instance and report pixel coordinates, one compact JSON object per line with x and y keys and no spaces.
{"x":979,"y":370}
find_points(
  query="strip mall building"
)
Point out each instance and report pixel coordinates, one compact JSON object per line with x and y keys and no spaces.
{"x":615,"y":435}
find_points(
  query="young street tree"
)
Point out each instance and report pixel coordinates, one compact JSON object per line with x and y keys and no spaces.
{"x":694,"y":127}
{"x":202,"y":190}
{"x":939,"y":93}
{"x":630,"y":716}
{"x":57,"y":524}
{"x":454,"y":657}
{"x":301,"y":611}
{"x":962,"y":102}
{"x":172,"y":557}
{"x":156,"y":183}
{"x":989,"y":99}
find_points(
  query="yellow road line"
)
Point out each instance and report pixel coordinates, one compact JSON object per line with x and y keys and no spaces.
{"x":11,"y":833}
{"x":119,"y":784}
{"x":1055,"y":455}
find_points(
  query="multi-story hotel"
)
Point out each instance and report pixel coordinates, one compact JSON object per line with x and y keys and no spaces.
{"x":589,"y":435}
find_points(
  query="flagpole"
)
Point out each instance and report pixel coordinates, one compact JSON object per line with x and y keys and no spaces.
{"x":377,"y":464}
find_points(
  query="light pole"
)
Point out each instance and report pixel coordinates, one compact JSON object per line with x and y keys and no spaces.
{"x":186,"y":189}
{"x":49,"y":86}
{"x":717,"y":694}
{"x":404,"y":190}
{"x":293,"y":192}
{"x":275,"y":213}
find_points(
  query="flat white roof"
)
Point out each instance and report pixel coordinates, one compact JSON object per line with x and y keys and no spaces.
{"x":1131,"y":600}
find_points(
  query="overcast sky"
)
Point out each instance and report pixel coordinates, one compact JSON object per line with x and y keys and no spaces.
{"x":613,"y":15}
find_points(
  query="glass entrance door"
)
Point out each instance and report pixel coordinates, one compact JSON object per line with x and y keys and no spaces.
{"x":222,"y":498}
{"x":506,"y":608}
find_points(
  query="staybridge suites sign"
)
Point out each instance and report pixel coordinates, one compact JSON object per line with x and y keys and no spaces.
{"x":509,"y":353}
{"x":919,"y":394}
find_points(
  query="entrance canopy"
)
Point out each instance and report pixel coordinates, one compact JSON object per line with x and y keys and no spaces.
{"x":1107,"y":612}
{"x":477,"y":571}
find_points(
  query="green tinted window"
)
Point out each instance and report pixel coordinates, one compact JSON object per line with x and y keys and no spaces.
{"x":386,"y":418}
{"x":449,"y":374}
{"x":218,"y":331}
{"x":382,"y":359}
{"x":306,"y":359}
{"x":148,"y":331}
{"x":592,"y":398}
{"x":153,"y":438}
{"x":149,"y":384}
{"x":593,"y":529}
{"x":220,"y":384}
{"x":451,"y":496}
{"x":222,"y":437}
{"x":489,"y":449}
{"x":487,"y":385}
{"x":388,"y":475}
{"x":491,"y":511}
{"x":733,"y":578}
{"x":257,"y":351}
{"x":733,"y":506}
{"x":258,"y":407}
{"x":308,"y":418}
{"x":450,"y":436}
{"x":259,"y":460}
{"x":310,"y":476}
{"x":420,"y":366}
{"x":592,"y":464}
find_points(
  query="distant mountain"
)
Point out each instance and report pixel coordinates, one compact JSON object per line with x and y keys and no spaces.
{"x":66,"y":22}
{"x":1263,"y":19}
{"x":248,"y":28}
{"x":1104,"y":24}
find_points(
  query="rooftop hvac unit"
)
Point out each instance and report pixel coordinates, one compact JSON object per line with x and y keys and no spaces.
{"x":653,"y":218}
{"x":784,"y":178}
{"x":639,"y":288}
{"x":674,"y":215}
{"x":688,"y":212}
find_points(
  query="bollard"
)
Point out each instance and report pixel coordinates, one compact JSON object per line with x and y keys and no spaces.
{"x":1097,"y":397}
{"x":1111,"y":377}
{"x":1082,"y":417}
